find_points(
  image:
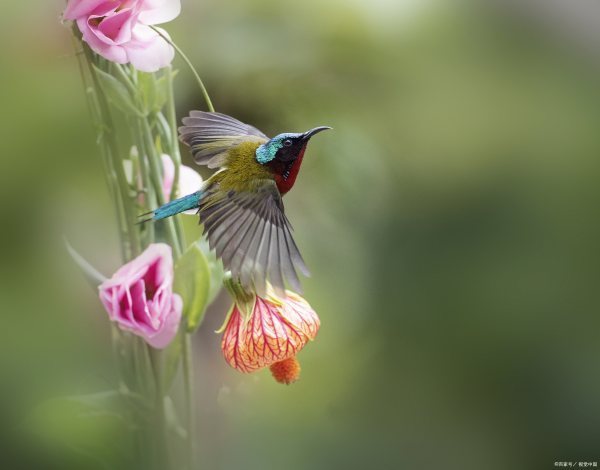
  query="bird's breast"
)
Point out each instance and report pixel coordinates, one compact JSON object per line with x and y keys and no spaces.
{"x":242,"y":169}
{"x":286,"y":175}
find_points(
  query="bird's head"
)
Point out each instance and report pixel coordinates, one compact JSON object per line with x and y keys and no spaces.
{"x":283,"y":154}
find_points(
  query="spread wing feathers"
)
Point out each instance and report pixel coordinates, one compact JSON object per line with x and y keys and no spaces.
{"x":251,"y":234}
{"x":210,"y":135}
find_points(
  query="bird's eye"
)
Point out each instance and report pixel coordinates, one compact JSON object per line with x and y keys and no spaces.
{"x":287,"y":142}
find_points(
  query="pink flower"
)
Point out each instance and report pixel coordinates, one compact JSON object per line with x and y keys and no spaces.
{"x":269,"y":335}
{"x":119,"y":30}
{"x":139,"y":297}
{"x":189,"y":180}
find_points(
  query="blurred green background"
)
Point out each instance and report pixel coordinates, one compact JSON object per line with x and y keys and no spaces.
{"x":450,"y":222}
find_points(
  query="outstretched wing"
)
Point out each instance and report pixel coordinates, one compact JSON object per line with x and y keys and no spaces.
{"x":253,"y":237}
{"x":211,"y":135}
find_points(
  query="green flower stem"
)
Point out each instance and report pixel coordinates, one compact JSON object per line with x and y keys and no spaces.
{"x":161,"y":419}
{"x":115,"y":193}
{"x":164,"y":133}
{"x":122,"y":185}
{"x":155,"y":176}
{"x":188,"y":383}
{"x":124,"y":191}
{"x":209,"y":104}
{"x":94,"y":113}
{"x":172,"y":120}
{"x":122,"y":366}
{"x":174,"y":147}
{"x":148,"y":362}
{"x":143,"y":375}
{"x":164,"y":130}
{"x":126,"y":80}
{"x":150,"y":194}
{"x":188,"y":375}
{"x":176,"y":239}
{"x":91,"y":92}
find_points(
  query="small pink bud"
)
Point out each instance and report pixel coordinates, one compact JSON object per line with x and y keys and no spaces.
{"x":189,"y":181}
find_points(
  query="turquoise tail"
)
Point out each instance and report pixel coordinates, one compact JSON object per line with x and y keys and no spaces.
{"x":185,"y":203}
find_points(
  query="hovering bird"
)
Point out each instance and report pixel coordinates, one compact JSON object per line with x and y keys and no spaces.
{"x":241,"y":205}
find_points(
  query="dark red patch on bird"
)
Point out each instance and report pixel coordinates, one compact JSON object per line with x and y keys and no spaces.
{"x":286,"y":173}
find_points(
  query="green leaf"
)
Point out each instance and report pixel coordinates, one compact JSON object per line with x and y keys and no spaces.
{"x":147,"y":90}
{"x":192,"y":283}
{"x":153,"y":91}
{"x":216,"y":270}
{"x":172,"y":357}
{"x":173,"y":422}
{"x":117,"y":93}
{"x":92,"y":274}
{"x":162,"y":89}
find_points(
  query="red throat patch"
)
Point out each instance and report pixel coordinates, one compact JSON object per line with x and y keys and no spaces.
{"x":285,"y":184}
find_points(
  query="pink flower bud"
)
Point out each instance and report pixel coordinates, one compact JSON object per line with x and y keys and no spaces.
{"x":119,"y":30}
{"x":273,"y":331}
{"x":189,"y":180}
{"x":139,"y":297}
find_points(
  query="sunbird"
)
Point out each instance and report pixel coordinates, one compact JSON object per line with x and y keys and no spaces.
{"x":240,"y":206}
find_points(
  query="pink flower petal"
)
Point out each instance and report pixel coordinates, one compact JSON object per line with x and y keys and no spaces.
{"x":169,"y":329}
{"x":190,"y":181}
{"x":168,"y":176}
{"x":159,"y":11}
{"x":79,"y":8}
{"x":116,"y":28}
{"x":139,"y":305}
{"x":136,"y":268}
{"x":147,"y":51}
{"x":139,"y":296}
{"x":108,"y":51}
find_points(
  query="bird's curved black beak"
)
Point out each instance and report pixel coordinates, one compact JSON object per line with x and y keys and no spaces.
{"x":308,"y":134}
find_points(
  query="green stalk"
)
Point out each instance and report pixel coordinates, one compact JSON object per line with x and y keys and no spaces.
{"x":122,"y":184}
{"x":156,"y":178}
{"x":126,"y":80}
{"x":209,"y":104}
{"x":174,"y":143}
{"x":150,"y":195}
{"x":151,"y":174}
{"x":150,"y":169}
{"x":164,"y":129}
{"x":172,"y":120}
{"x":91,"y":93}
{"x":188,"y":383}
{"x":188,"y":375}
{"x":161,"y":420}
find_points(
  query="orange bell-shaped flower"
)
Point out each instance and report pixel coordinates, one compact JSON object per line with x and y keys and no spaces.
{"x":268,"y":332}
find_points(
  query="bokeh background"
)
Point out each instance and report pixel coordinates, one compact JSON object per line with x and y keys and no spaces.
{"x":450,"y":221}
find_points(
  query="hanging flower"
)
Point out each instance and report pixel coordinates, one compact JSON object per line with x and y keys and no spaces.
{"x":189,"y":180}
{"x":139,"y":297}
{"x":119,"y":30}
{"x":268,"y":332}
